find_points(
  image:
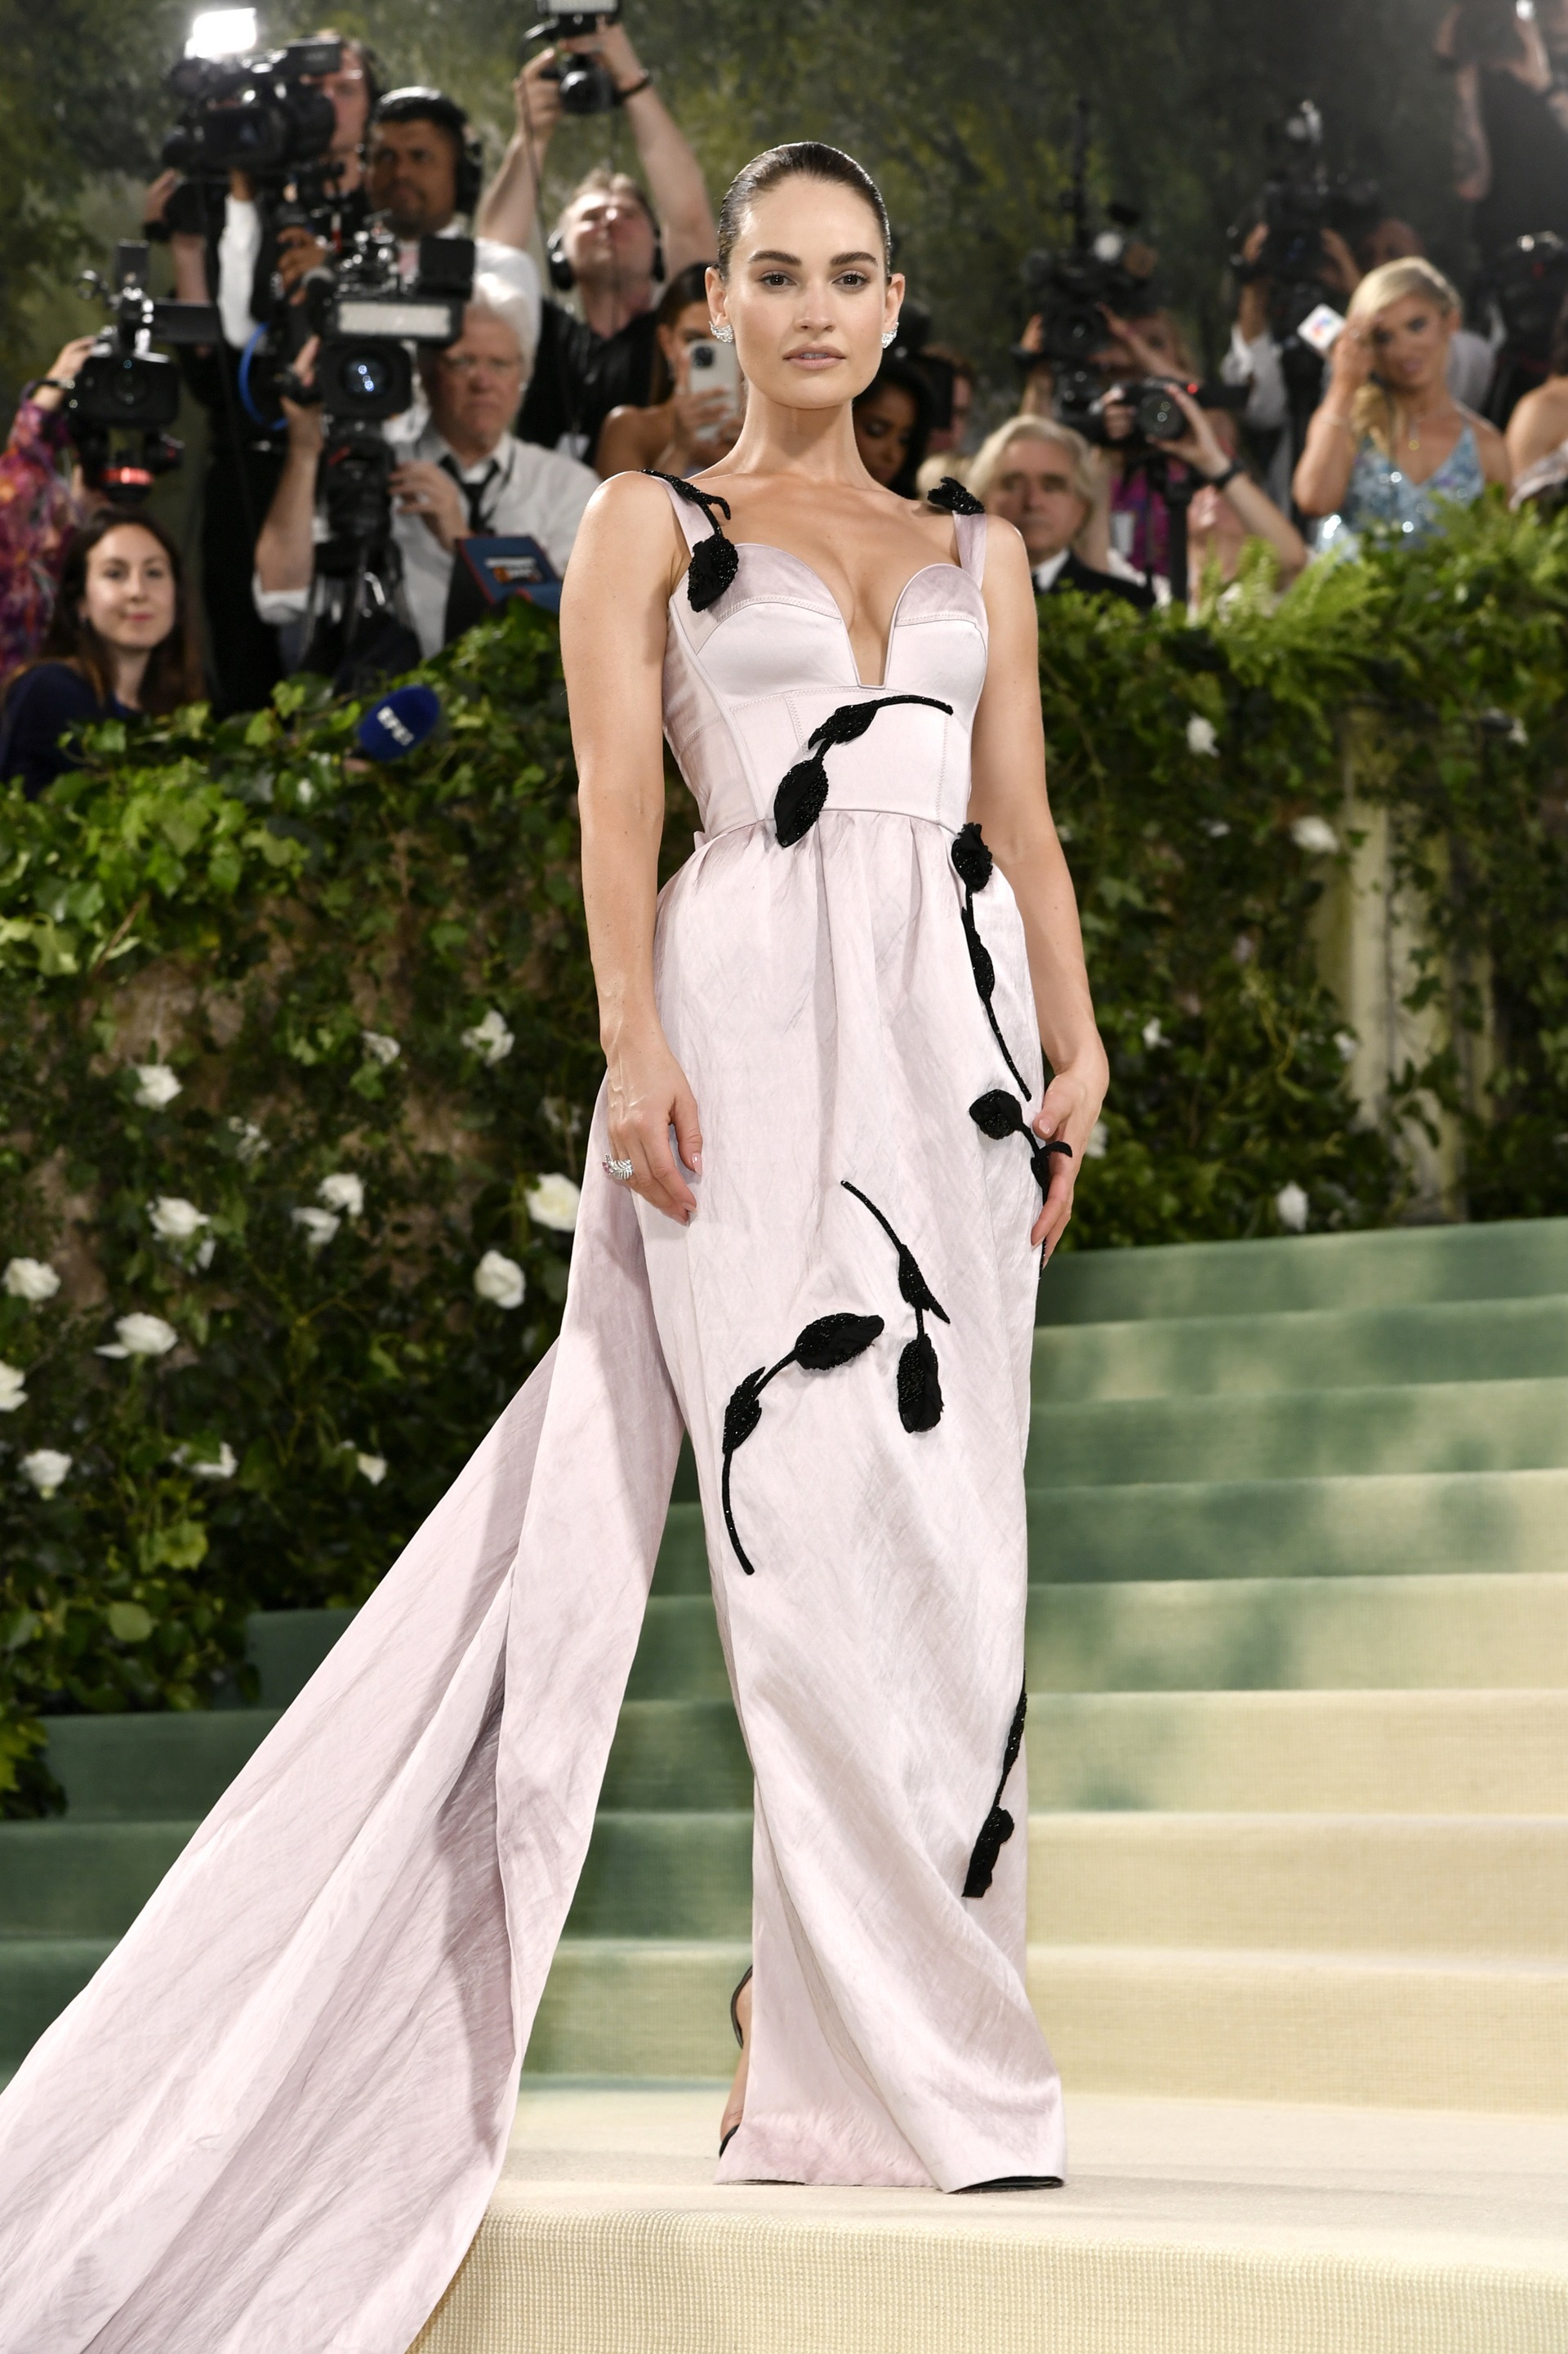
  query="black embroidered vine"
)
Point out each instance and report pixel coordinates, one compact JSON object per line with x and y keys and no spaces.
{"x":919,"y":1383}
{"x":798,"y":803}
{"x":998,"y":1826}
{"x":996,"y":1115}
{"x":954,"y":497}
{"x":830,"y":1341}
{"x":974,"y":863}
{"x":714,"y":564}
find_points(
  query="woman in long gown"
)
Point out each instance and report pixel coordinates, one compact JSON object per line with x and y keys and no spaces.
{"x":811,"y":1235}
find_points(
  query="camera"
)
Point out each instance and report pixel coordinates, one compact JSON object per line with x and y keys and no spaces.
{"x":126,"y":396}
{"x":366,"y":318}
{"x":586,"y":86}
{"x":257,"y":116}
{"x":1071,"y":289}
{"x":1300,"y":202}
{"x":1157,"y":416}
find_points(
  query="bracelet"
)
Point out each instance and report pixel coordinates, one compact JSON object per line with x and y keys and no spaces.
{"x":1222,"y":482}
{"x":634,"y":89}
{"x":1335,"y":418}
{"x":39,"y":383}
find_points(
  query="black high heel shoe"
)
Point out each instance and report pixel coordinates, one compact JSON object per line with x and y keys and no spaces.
{"x":726,"y":2139}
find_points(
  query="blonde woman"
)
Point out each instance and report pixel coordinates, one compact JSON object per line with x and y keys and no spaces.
{"x":1390,"y":443}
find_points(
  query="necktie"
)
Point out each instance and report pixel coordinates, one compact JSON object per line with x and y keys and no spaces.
{"x":474,"y":492}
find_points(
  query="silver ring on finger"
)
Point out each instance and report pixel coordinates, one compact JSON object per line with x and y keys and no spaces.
{"x":622,"y":1171}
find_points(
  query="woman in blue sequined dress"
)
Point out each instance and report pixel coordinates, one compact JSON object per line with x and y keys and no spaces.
{"x":1390,"y":449}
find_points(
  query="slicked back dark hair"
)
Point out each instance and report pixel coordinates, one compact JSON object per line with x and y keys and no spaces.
{"x":802,"y":159}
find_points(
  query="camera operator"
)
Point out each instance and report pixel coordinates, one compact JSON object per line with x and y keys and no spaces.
{"x":467,"y":473}
{"x":1046,"y":480}
{"x":117,"y":645}
{"x":683,"y":428}
{"x":892,"y":424}
{"x":1230,"y":508}
{"x":611,"y":244}
{"x":1510,"y":117}
{"x":1389,"y":444}
{"x":39,"y":508}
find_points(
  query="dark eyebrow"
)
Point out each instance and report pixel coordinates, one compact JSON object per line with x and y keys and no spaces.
{"x":765,"y":253}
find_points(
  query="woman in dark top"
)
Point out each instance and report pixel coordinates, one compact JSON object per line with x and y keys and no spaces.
{"x":892,"y":425}
{"x":117,"y":645}
{"x":1510,"y":119}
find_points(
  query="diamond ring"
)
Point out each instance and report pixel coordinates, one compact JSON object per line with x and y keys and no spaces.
{"x":621,"y":1170}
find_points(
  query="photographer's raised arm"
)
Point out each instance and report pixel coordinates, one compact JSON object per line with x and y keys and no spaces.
{"x":285,"y":548}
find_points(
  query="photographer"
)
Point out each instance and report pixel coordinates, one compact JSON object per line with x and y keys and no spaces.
{"x":38,"y":509}
{"x":467,"y":473}
{"x":1045,"y":479}
{"x":117,"y":645}
{"x":1229,"y":509}
{"x":1511,"y":118}
{"x":683,"y":429}
{"x":611,"y":244}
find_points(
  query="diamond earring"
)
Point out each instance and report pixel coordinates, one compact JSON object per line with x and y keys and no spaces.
{"x":889,"y":334}
{"x":723,"y":332}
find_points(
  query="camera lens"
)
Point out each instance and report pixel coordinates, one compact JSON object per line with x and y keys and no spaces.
{"x":365,"y":377}
{"x":1158,"y":417}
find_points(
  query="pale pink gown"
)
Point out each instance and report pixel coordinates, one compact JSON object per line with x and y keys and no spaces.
{"x":273,"y":2119}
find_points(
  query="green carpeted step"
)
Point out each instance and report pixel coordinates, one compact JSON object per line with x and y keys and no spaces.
{"x":1378,"y":1526}
{"x":1459,"y":1885}
{"x":38,"y":1976}
{"x":1303,"y":1634}
{"x":1285,"y":1435}
{"x":677,"y":1755}
{"x":287,"y":1647}
{"x":666,"y":1875}
{"x":638,"y":2007}
{"x":679,"y":1655}
{"x":1524,"y":1259}
{"x":151,"y":1769}
{"x":1315,"y":1349}
{"x":682,"y":1563}
{"x":77,"y":1878}
{"x":1422,"y":1753}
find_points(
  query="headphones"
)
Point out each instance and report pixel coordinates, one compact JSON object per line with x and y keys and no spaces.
{"x":563,"y":277}
{"x":417,"y":104}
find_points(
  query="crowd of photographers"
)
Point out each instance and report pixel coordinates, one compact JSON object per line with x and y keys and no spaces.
{"x":403,"y":424}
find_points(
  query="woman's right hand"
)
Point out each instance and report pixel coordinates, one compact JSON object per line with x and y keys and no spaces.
{"x":702,"y":429}
{"x":648,"y":1095}
{"x":1350,"y":365}
{"x":71,"y":359}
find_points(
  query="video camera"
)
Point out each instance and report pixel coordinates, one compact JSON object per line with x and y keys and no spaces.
{"x":1157,"y":416}
{"x":126,"y":396}
{"x":254,"y":114}
{"x":586,"y":86}
{"x":1072,"y":289}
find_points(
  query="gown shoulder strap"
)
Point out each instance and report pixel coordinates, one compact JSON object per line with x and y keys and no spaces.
{"x":715,"y":562}
{"x":951,"y":497}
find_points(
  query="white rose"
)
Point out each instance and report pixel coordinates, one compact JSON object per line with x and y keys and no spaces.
{"x":1518,"y":733}
{"x":1347,"y":1043}
{"x":1315,"y":835}
{"x":142,"y":1336}
{"x":32,"y":1279}
{"x":1291,"y":1206}
{"x":553,"y":1202}
{"x":1099,"y":1143}
{"x":343,"y":1190}
{"x":250,"y":1143}
{"x":491,"y":1040}
{"x":155,"y":1086}
{"x":379,"y":1046}
{"x":14,"y":1385}
{"x":1216,"y":828}
{"x":320,"y":1226}
{"x":45,"y":1467}
{"x":177,"y":1220}
{"x":1153,"y":1035}
{"x":372,"y":1467}
{"x":499,"y":1279}
{"x":222,"y":1466}
{"x":1202,"y":735}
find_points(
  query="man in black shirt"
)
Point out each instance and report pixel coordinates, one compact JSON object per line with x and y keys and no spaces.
{"x":613,"y":245}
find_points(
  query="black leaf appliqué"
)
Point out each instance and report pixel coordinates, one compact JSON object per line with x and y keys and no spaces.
{"x":996,"y":1115}
{"x":919,"y":1380}
{"x":798,"y":803}
{"x":974,"y":864}
{"x":828,"y":1341}
{"x":716,"y":562}
{"x":998,"y":1827}
{"x":954,"y":497}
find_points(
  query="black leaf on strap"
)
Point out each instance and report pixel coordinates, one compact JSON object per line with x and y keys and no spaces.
{"x":980,"y":961}
{"x":998,"y":1827}
{"x":920,"y":1385}
{"x":714,"y":564}
{"x":953,"y":498}
{"x":996,"y":1115}
{"x":974,"y":864}
{"x":830,"y":1341}
{"x":972,"y":857}
{"x":798,"y":803}
{"x":835,"y":1339}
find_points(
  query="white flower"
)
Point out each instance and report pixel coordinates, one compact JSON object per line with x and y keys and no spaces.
{"x":33,"y":1279}
{"x":499,"y":1279}
{"x":1291,"y":1206}
{"x":249,"y":1144}
{"x":319,"y":1226}
{"x":45,"y":1467}
{"x":14,"y":1386}
{"x":177,"y":1220}
{"x":304,"y":792}
{"x":553,"y":1202}
{"x":1315,"y":835}
{"x":379,"y":1046}
{"x":1346,"y":1042}
{"x":222,"y":1466}
{"x":1216,"y":828}
{"x":1518,"y":733}
{"x":141,"y":1336}
{"x":1099,"y":1143}
{"x":343,"y":1190}
{"x":155,"y":1086}
{"x":1201,"y":735}
{"x":1244,"y":948}
{"x":204,"y":1255}
{"x":491,"y":1040}
{"x":1153,"y":1036}
{"x":372,"y":1467}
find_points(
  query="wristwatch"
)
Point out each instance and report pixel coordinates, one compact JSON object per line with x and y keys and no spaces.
{"x":1219,"y":481}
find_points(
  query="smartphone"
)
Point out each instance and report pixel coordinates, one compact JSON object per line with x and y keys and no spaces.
{"x":1322,"y":328}
{"x":714,"y":368}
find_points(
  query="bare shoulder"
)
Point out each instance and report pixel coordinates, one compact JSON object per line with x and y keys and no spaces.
{"x":629,"y":523}
{"x":1008,"y":585}
{"x":1496,"y":463}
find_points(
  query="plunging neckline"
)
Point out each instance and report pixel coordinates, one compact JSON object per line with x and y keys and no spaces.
{"x":866,"y":686}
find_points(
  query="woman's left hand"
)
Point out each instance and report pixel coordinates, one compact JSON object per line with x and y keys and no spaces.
{"x":1068,"y":1114}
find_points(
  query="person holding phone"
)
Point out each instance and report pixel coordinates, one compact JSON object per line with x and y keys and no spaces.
{"x":1389,"y":443}
{"x":695,"y":415}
